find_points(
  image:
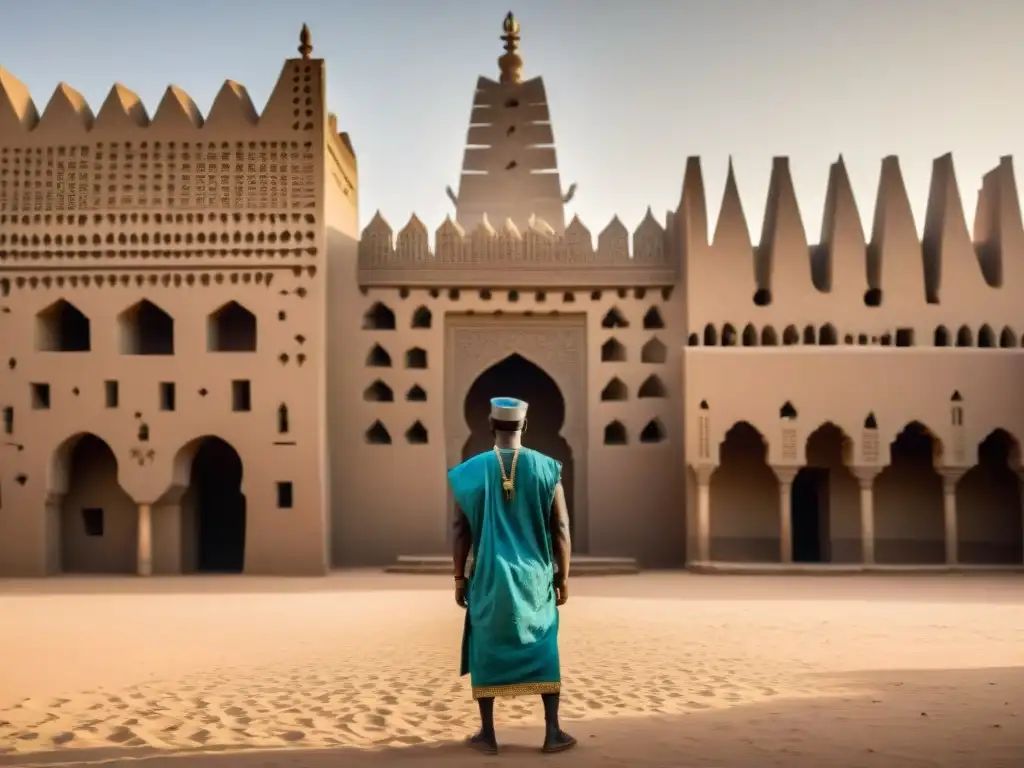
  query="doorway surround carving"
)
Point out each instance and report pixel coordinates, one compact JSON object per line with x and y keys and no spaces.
{"x":558,"y":345}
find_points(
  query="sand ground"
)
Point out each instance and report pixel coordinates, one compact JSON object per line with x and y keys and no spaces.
{"x":359,"y":670}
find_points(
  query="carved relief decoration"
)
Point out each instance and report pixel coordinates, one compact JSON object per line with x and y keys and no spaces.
{"x":473,"y":345}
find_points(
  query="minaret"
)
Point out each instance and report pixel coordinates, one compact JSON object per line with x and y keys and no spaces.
{"x":510,"y":170}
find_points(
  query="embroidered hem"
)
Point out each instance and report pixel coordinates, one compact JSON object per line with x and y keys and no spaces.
{"x":515,"y":689}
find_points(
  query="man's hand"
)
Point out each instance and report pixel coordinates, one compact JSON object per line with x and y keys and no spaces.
{"x":561,"y":592}
{"x":461,"y":590}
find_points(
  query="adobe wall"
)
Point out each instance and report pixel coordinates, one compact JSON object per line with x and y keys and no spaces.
{"x":186,"y":215}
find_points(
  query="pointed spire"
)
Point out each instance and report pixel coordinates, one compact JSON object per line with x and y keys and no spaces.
{"x":305,"y":42}
{"x":732,"y":228}
{"x":510,"y":64}
{"x":17,"y":110}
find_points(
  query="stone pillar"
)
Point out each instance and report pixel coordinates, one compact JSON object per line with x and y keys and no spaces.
{"x":704,"y":513}
{"x":1020,"y":474}
{"x":785,"y":476}
{"x":950,"y":477}
{"x":145,"y":542}
{"x":866,"y":478}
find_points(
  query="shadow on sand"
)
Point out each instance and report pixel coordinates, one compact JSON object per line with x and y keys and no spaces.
{"x":972,"y":717}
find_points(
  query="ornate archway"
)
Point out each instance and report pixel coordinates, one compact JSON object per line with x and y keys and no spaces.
{"x":556,"y":348}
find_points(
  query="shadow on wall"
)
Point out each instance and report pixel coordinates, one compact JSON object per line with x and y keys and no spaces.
{"x":515,"y":376}
{"x":213,"y":510}
{"x":98,"y":521}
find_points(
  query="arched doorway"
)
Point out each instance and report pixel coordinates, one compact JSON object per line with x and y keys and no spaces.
{"x":989,"y":505}
{"x":98,"y":520}
{"x":744,"y":500}
{"x":825,"y":502}
{"x":214,"y":508}
{"x":909,"y":527}
{"x":515,"y":376}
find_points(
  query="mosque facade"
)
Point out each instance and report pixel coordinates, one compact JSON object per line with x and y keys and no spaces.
{"x":207,"y":366}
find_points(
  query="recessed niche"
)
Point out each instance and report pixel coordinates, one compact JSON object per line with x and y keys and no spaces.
{"x":62,"y":327}
{"x":231,"y":328}
{"x":653,"y":432}
{"x":379,"y":318}
{"x":416,"y":358}
{"x":652,"y":387}
{"x":615,"y":390}
{"x":787,"y":411}
{"x":614,"y":319}
{"x":652,"y":320}
{"x":378,"y":392}
{"x":378,"y":434}
{"x":241,"y":395}
{"x":615,"y":433}
{"x":654,"y":352}
{"x":613,"y":351}
{"x":422,"y":318}
{"x":416,"y":394}
{"x":146,"y":329}
{"x":417,"y":434}
{"x":378,"y":357}
{"x":40,"y":396}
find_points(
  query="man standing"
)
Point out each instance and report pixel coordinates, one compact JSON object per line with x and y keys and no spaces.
{"x":511,"y":513}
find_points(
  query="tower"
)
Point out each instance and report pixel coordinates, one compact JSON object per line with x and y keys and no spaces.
{"x":510,"y":169}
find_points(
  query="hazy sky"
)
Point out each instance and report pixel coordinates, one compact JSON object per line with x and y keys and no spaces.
{"x":635,"y":86}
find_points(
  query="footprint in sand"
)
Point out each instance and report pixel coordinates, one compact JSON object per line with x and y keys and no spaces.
{"x":62,"y":738}
{"x":121,"y":735}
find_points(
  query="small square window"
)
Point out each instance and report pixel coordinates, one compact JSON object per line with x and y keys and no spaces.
{"x":284,"y":496}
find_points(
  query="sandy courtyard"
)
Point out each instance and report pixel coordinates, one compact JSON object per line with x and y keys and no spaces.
{"x":659,"y":670}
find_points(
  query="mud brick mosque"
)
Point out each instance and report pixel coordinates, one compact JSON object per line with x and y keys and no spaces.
{"x":206,"y":366}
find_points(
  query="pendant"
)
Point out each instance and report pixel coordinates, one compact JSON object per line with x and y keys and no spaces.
{"x":508,"y":487}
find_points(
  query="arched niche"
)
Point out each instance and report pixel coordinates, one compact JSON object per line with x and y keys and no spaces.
{"x":557,"y":346}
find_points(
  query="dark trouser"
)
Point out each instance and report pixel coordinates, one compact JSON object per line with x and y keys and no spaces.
{"x":551,"y":701}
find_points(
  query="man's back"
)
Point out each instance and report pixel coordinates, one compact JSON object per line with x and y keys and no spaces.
{"x":509,"y":532}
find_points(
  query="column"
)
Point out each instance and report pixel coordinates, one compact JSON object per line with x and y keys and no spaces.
{"x":704,"y":513}
{"x":1020,"y":474}
{"x":145,"y":542}
{"x":950,"y":477}
{"x":785,"y":476}
{"x":866,"y":478}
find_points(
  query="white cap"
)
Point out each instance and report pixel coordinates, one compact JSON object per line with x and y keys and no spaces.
{"x":508,"y":409}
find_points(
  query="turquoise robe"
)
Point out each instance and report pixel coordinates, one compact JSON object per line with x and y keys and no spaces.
{"x":510,"y":639}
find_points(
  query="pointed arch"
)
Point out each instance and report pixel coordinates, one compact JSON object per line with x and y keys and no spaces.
{"x":790,"y":336}
{"x":964,"y":337}
{"x":614,"y":319}
{"x":728,"y":335}
{"x":749,"y":335}
{"x":378,"y":434}
{"x":653,"y":432}
{"x":986,"y":336}
{"x":615,"y":433}
{"x":1007,"y":338}
{"x":613,"y":351}
{"x":378,"y":392}
{"x":652,"y":320}
{"x":379,"y":317}
{"x":710,"y":336}
{"x":652,"y":387}
{"x":654,"y":352}
{"x":378,"y":357}
{"x":416,"y":394}
{"x":827,"y":335}
{"x":810,"y":336}
{"x":417,"y":434}
{"x":614,"y":391}
{"x":768,"y":337}
{"x":744,"y":499}
{"x":941,"y":336}
{"x":422,"y":318}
